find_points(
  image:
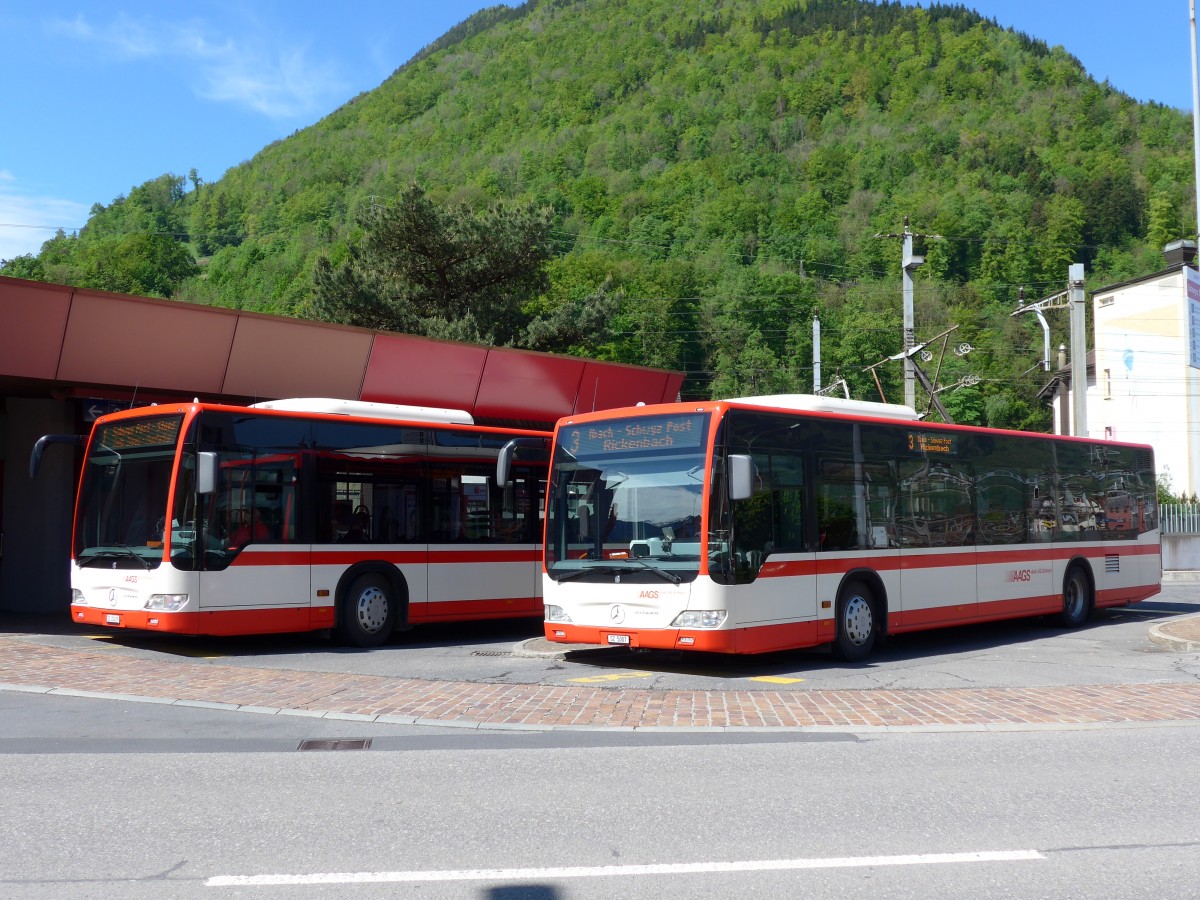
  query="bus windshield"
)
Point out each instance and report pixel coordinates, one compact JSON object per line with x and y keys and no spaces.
{"x":626,"y":499}
{"x":123,"y":493}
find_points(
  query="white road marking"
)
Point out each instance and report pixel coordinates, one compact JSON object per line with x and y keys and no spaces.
{"x":766,"y":865}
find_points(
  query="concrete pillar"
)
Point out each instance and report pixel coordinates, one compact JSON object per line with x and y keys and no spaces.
{"x":36,"y":519}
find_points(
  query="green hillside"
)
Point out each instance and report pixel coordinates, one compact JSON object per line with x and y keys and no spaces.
{"x":723,"y":170}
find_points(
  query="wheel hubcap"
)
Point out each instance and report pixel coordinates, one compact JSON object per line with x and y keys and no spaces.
{"x":372,"y":610}
{"x":858,"y":620}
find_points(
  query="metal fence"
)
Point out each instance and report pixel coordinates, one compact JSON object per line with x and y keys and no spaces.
{"x":1180,"y":518}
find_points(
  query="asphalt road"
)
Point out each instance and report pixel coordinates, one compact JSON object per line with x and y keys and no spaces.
{"x":204,"y":803}
{"x":109,"y":798}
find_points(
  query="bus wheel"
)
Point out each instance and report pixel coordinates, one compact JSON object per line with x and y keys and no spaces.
{"x":368,"y":612}
{"x":1077,"y":599}
{"x":856,"y":625}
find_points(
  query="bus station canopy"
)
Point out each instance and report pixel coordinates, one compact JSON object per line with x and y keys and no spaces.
{"x":66,"y":342}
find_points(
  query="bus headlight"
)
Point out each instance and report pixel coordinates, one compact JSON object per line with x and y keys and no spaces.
{"x":556,"y":614}
{"x":700,"y":618}
{"x":77,"y":597}
{"x":167,"y":602}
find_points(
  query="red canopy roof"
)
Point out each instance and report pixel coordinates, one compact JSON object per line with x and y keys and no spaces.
{"x":97,"y":344}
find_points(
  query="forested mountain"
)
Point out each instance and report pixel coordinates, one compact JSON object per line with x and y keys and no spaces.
{"x":710,"y":174}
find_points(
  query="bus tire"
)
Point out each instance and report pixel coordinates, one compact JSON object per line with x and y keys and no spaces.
{"x":368,"y":611}
{"x":1077,"y":598}
{"x":857,"y":623}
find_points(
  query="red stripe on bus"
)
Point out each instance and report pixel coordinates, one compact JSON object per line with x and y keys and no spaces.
{"x":454,"y":610}
{"x":760,"y":639}
{"x":886,"y":561}
{"x":272,"y":558}
{"x":1122,"y":596}
{"x":227,"y":622}
{"x":217,"y":622}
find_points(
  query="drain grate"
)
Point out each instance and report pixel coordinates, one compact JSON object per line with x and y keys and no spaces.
{"x":355,"y":744}
{"x":491,"y":653}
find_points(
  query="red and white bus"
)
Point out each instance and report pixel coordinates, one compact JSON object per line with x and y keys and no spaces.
{"x":769,"y":523}
{"x":301,"y":515}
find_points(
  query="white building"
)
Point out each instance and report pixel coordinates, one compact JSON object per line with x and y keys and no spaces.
{"x":1146,"y":383}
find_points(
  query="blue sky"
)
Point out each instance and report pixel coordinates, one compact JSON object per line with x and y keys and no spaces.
{"x":103,"y":95}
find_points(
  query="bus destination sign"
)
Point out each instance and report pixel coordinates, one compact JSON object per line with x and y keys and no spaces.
{"x":140,"y":433}
{"x":933,"y":443}
{"x":681,"y":432}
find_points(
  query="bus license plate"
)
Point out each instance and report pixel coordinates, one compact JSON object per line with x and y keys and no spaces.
{"x":112,"y":619}
{"x":618,"y":639}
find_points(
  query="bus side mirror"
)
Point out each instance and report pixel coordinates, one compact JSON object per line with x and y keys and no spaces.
{"x":741,"y":476}
{"x":505,"y":460}
{"x":207,"y":469}
{"x":504,"y":463}
{"x":35,"y":456}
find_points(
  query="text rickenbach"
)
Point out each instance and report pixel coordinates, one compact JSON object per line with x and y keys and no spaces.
{"x":638,"y":436}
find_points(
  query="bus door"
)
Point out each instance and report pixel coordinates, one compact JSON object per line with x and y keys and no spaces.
{"x":384,"y":509}
{"x":1015,"y":521}
{"x":256,"y":556}
{"x":935,"y":528}
{"x":1079,"y":526}
{"x":768,"y":562}
{"x":483,"y":559}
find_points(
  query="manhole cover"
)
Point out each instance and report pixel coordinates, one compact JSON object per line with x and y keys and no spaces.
{"x":355,"y":744}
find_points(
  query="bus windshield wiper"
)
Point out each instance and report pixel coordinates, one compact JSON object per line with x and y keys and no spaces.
{"x":661,"y":573}
{"x":579,"y":573}
{"x":107,"y":553}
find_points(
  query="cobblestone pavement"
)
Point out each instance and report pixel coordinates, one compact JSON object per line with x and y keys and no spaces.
{"x":29,"y":666}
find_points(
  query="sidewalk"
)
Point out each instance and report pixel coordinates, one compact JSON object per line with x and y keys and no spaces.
{"x":1179,"y":634}
{"x":29,"y":666}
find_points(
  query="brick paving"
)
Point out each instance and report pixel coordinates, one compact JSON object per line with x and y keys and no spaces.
{"x":32,"y":666}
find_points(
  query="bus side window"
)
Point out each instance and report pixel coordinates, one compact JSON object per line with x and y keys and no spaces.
{"x":351,"y":524}
{"x":836,"y":520}
{"x":521,"y":508}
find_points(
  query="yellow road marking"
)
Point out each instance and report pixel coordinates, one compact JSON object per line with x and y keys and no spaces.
{"x":598,"y":678}
{"x":776,"y":679}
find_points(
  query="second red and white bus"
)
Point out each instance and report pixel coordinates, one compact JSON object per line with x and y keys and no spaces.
{"x":770,"y":523}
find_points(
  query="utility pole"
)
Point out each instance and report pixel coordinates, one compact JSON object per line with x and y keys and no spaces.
{"x":1074,"y":299}
{"x":816,"y":355}
{"x":1078,"y":350}
{"x":908,"y":264}
{"x":1195,"y":111}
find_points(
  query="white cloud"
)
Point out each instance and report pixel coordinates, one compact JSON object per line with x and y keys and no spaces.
{"x":28,"y":220}
{"x":277,"y":81}
{"x":291,"y":86}
{"x":124,"y":39}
